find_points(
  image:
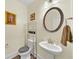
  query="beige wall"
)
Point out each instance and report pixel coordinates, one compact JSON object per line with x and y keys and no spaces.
{"x":14,"y":34}
{"x":40,"y":8}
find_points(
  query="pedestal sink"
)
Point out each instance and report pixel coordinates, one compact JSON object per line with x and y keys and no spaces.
{"x":51,"y":48}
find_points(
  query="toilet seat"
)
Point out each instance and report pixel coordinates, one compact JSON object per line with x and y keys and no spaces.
{"x":25,"y":52}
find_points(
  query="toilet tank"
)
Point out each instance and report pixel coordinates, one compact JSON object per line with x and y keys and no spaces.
{"x":30,"y":43}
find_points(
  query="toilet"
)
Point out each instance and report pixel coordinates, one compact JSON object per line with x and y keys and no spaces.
{"x":25,"y":52}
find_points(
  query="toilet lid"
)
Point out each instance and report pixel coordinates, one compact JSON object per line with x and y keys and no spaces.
{"x":23,"y":49}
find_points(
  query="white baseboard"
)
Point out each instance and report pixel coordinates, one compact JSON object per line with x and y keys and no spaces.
{"x":11,"y":55}
{"x":38,"y":56}
{"x":14,"y":54}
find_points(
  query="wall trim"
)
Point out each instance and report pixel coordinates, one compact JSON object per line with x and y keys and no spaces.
{"x":11,"y":55}
{"x":38,"y":56}
{"x":14,"y":54}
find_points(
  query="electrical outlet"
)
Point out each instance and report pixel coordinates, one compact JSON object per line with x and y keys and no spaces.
{"x":6,"y":45}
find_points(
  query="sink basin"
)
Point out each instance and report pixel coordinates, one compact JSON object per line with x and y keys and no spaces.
{"x":50,"y":48}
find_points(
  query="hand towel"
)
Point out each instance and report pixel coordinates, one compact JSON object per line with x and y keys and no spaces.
{"x":66,"y":35}
{"x":69,"y":34}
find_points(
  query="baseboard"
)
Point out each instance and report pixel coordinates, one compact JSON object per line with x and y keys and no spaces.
{"x":14,"y":54}
{"x":11,"y":55}
{"x":38,"y":56}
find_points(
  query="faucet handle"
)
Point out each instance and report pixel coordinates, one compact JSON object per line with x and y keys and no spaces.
{"x":50,"y":41}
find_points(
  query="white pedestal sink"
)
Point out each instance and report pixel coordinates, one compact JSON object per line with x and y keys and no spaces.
{"x":51,"y":48}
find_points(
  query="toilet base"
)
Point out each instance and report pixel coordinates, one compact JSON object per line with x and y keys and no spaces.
{"x":26,"y":57}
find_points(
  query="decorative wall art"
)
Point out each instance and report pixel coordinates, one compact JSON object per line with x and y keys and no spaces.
{"x":32,"y":16}
{"x":10,"y":18}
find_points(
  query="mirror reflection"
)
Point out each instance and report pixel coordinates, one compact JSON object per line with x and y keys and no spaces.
{"x":52,"y":19}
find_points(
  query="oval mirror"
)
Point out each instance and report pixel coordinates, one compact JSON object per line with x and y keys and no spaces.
{"x":53,"y":19}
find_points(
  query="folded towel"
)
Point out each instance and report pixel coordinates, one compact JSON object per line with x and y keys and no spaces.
{"x":66,"y":35}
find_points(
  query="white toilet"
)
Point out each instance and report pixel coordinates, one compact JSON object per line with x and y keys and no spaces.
{"x":26,"y":54}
